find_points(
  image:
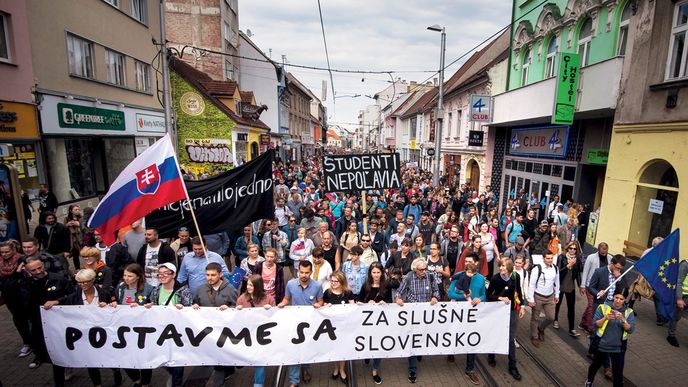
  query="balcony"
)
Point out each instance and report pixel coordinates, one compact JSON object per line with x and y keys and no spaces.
{"x":598,"y":91}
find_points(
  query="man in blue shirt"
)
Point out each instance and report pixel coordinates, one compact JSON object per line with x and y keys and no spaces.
{"x":414,"y":209}
{"x":192,"y":268}
{"x":302,"y":291}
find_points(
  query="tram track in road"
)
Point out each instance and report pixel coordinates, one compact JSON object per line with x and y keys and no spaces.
{"x":484,"y":374}
{"x":540,"y":364}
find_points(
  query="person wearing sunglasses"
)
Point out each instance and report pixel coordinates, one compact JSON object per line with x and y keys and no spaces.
{"x":570,"y":270}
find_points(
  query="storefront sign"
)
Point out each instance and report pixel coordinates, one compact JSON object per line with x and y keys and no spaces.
{"x":17,"y":120}
{"x":656,"y":206}
{"x":547,"y":141}
{"x":150,"y":123}
{"x":413,"y":144}
{"x":567,"y":89}
{"x":475,"y":138}
{"x":264,"y":139}
{"x":481,"y":108}
{"x":84,"y":117}
{"x":214,"y":151}
{"x":598,"y":156}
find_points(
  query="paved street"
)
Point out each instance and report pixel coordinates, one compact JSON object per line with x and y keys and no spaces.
{"x":649,"y":361}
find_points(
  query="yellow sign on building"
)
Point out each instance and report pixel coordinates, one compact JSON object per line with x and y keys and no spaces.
{"x":413,"y":144}
{"x":18,"y":121}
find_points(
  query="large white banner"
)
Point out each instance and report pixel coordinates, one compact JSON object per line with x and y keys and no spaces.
{"x":124,"y":337}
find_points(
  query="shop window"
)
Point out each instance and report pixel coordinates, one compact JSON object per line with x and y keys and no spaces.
{"x":118,"y":152}
{"x":240,"y":150}
{"x":521,"y":166}
{"x":556,"y":170}
{"x":570,"y":173}
{"x":71,"y":166}
{"x":537,"y":168}
{"x":655,"y":203}
{"x":547,"y":169}
{"x":676,"y":63}
{"x":623,"y":29}
{"x":529,"y":167}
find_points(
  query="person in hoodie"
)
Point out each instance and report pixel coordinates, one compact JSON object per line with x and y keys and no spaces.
{"x":216,"y":293}
{"x":171,"y":292}
{"x":613,"y":322}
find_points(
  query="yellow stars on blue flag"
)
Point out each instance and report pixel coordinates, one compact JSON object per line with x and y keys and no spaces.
{"x":669,"y":265}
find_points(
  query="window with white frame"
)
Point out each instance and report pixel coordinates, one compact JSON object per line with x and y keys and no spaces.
{"x":4,"y":39}
{"x":525,"y":66}
{"x":143,"y":76}
{"x":413,"y":126}
{"x":448,"y":126}
{"x":114,"y":3}
{"x":678,"y":54}
{"x":584,"y":39}
{"x":139,"y":10}
{"x":458,"y":123}
{"x":623,"y":29}
{"x":80,"y":56}
{"x":115,"y":64}
{"x":226,"y":31}
{"x":551,"y":59}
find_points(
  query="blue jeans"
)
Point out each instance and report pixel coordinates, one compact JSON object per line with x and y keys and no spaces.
{"x":376,"y":364}
{"x":259,"y":377}
{"x":412,"y":364}
{"x":295,"y":374}
{"x":470,"y":362}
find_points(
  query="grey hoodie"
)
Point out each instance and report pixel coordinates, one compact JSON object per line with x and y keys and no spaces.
{"x":225,"y":295}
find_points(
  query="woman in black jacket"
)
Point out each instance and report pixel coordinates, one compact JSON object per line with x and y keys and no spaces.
{"x":87,"y":293}
{"x":570,"y":269}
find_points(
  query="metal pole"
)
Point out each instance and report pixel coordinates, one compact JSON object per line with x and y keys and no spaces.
{"x":166,"y":79}
{"x":439,"y":117}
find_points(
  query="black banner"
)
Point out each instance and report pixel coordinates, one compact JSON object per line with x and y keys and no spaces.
{"x":225,"y":202}
{"x":362,"y":172}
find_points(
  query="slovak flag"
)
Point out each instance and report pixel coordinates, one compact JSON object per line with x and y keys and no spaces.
{"x":332,"y":197}
{"x":300,"y":246}
{"x":149,"y":182}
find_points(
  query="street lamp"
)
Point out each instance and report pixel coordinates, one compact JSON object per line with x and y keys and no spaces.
{"x":439,"y":114}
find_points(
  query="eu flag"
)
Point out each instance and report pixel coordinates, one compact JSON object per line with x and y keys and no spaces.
{"x":660,"y":268}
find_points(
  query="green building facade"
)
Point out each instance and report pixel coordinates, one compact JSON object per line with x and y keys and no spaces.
{"x":596,"y":29}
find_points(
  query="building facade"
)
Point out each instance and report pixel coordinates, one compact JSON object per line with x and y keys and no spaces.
{"x":530,"y":152}
{"x":645,"y":183}
{"x":97,"y":95}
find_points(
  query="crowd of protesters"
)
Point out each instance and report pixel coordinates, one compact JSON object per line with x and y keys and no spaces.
{"x":415,"y":244}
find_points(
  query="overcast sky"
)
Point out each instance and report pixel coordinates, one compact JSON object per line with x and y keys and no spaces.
{"x":368,"y":35}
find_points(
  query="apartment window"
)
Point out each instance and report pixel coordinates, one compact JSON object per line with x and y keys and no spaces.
{"x":551,"y":60}
{"x":114,"y":3}
{"x":226,"y":31}
{"x":414,"y":126}
{"x":584,"y":39}
{"x":623,"y":29}
{"x":80,"y":56}
{"x":458,"y":124}
{"x":448,"y":128}
{"x":527,"y":59}
{"x":237,"y":106}
{"x":143,"y":76}
{"x":4,"y":39}
{"x":115,"y":64}
{"x":676,"y":65}
{"x":139,"y":10}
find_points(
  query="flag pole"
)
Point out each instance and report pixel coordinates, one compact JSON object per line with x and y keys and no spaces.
{"x":616,"y":280}
{"x":191,"y":208}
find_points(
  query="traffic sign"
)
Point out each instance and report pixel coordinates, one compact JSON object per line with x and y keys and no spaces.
{"x":431,"y":151}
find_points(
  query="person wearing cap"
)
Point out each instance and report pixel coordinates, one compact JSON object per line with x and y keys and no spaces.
{"x":540,"y":232}
{"x":171,"y":292}
{"x":517,"y":248}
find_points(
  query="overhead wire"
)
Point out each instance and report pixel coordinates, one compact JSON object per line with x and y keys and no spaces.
{"x":327,"y":54}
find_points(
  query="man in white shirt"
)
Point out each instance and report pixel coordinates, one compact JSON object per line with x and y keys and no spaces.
{"x":369,"y":255}
{"x":543,"y":295}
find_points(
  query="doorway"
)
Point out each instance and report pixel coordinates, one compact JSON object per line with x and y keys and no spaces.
{"x":254,"y":150}
{"x":473,"y":174}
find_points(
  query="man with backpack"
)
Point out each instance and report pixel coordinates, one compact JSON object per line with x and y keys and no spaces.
{"x":543,"y":295}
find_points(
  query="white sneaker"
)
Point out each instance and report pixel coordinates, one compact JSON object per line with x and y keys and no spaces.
{"x":25,"y":350}
{"x":556,"y":325}
{"x":34,"y":364}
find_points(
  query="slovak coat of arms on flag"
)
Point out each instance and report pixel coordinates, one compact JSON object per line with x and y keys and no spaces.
{"x":148,"y":180}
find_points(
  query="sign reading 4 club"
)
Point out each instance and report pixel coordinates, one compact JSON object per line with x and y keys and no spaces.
{"x":148,"y":180}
